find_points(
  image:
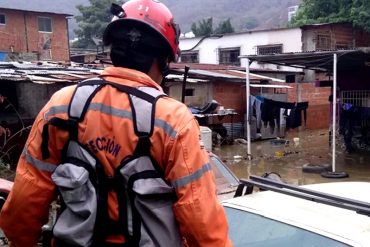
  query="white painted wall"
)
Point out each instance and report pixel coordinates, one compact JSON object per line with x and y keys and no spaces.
{"x":291,"y":38}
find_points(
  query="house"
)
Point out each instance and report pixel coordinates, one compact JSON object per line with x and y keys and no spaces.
{"x":30,"y":31}
{"x":226,"y":49}
{"x":28,"y":86}
{"x":226,"y":85}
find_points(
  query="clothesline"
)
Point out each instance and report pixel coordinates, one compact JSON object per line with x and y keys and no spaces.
{"x":268,"y":112}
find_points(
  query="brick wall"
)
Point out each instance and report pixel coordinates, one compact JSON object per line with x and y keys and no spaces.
{"x":318,"y":113}
{"x":20,"y":35}
{"x":232,"y":95}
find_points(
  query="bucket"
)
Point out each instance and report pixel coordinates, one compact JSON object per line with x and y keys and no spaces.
{"x":278,"y":146}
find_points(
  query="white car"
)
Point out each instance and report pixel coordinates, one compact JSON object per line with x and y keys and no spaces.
{"x":331,"y":214}
{"x":226,"y":181}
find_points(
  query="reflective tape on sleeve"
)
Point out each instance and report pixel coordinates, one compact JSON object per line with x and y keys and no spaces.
{"x":55,"y":110}
{"x":192,"y":177}
{"x":166,"y":127}
{"x":40,"y":165}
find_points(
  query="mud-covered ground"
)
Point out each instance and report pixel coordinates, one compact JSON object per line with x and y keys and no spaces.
{"x":288,"y":160}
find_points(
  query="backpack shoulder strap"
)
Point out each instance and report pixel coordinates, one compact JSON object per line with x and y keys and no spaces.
{"x":77,"y":108}
{"x":143,"y":113}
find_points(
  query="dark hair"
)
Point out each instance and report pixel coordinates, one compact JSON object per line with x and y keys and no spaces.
{"x":137,"y":46}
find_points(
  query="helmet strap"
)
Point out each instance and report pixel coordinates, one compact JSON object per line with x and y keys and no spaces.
{"x":164,"y":66}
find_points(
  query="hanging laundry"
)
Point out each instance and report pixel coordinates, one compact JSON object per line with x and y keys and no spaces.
{"x":294,"y":119}
{"x":270,"y":113}
{"x":349,"y":117}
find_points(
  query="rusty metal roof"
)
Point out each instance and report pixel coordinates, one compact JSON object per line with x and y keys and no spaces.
{"x":209,"y":72}
{"x":45,"y":73}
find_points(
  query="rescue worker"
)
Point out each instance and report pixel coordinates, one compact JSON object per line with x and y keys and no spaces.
{"x":144,"y":40}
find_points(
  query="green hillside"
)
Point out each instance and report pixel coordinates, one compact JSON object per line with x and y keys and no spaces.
{"x":244,"y":14}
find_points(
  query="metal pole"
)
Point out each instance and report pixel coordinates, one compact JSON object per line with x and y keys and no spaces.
{"x":334,"y":110}
{"x":247,"y":95}
{"x":184,"y":84}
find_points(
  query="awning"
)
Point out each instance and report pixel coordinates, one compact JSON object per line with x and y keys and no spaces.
{"x":253,"y":75}
{"x":202,"y":75}
{"x":317,"y":60}
{"x":270,"y":86}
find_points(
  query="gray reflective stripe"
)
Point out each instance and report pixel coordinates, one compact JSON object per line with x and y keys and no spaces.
{"x":192,"y":177}
{"x":110,"y":110}
{"x":113,"y":112}
{"x":126,"y":114}
{"x":40,"y":165}
{"x":80,"y":98}
{"x":166,"y":127}
{"x":55,"y":110}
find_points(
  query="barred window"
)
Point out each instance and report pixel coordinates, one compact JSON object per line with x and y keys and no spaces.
{"x":229,"y":56}
{"x":269,"y":49}
{"x":190,"y":57}
{"x":323,"y":41}
{"x":44,"y":24}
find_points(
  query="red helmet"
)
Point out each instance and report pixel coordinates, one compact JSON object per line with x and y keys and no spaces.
{"x":153,"y":14}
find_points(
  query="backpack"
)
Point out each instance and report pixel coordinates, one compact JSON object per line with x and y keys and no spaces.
{"x":145,"y":199}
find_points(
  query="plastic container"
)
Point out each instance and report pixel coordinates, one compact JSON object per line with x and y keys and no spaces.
{"x":206,"y":136}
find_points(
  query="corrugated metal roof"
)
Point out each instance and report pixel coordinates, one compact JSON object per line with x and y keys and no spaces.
{"x":224,"y":74}
{"x":256,"y":76}
{"x":213,"y":74}
{"x":270,"y":86}
{"x":317,"y":60}
{"x":45,"y":73}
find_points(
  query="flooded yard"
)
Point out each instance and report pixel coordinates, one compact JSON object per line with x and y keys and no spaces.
{"x":311,"y":147}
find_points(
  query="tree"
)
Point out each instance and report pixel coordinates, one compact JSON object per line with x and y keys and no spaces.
{"x":205,"y":27}
{"x":224,"y":27}
{"x":360,"y":13}
{"x":323,"y":11}
{"x":92,"y":22}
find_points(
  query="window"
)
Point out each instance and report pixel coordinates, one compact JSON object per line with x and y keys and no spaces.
{"x":2,"y":19}
{"x":189,"y":92}
{"x":290,"y":78}
{"x":229,"y":56}
{"x":44,"y":24}
{"x":269,"y":49}
{"x":323,"y":41}
{"x":248,"y":229}
{"x":190,"y":57}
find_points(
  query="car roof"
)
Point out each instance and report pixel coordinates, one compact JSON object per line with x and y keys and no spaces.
{"x":334,"y":222}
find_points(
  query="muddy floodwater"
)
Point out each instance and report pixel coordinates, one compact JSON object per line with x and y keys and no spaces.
{"x":302,"y":147}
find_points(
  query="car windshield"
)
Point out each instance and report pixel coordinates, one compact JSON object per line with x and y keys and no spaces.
{"x":252,"y":230}
{"x":222,"y":173}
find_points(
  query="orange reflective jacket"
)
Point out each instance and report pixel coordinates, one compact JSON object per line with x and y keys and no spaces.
{"x":175,"y":146}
